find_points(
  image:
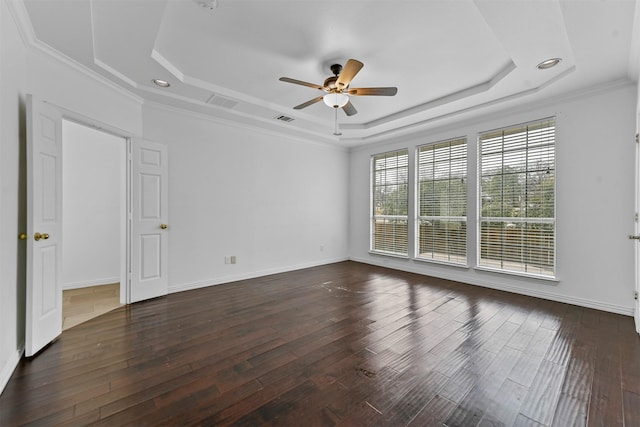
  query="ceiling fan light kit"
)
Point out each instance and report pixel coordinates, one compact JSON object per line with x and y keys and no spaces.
{"x":337,"y":89}
{"x":335,"y":100}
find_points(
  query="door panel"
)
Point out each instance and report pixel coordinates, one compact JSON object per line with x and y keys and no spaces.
{"x":149,"y":225}
{"x":44,"y":225}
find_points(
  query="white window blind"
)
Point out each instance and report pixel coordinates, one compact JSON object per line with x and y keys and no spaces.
{"x":441,"y":232}
{"x":389,"y":185}
{"x":517,"y":190}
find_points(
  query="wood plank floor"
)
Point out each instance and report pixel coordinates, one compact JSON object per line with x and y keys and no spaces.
{"x":345,"y":344}
{"x":82,"y":304}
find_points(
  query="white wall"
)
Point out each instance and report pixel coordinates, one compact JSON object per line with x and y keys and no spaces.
{"x":92,"y":188}
{"x":594,"y":201}
{"x":25,"y":69}
{"x":269,"y":200}
{"x":12,"y":72}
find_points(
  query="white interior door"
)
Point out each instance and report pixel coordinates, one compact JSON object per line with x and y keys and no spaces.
{"x":44,"y":225}
{"x":149,"y":221}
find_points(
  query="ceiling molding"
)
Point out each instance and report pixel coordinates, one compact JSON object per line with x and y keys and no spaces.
{"x":115,"y":73}
{"x":226,"y":92}
{"x":443,"y":100}
{"x":507,"y":109}
{"x":473,"y":108}
{"x":20,"y":17}
{"x":286,"y":129}
{"x":324,"y":140}
{"x":167,"y":65}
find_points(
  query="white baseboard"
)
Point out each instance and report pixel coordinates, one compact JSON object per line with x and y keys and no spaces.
{"x":582,"y":302}
{"x":87,"y":283}
{"x":8,"y":368}
{"x":251,"y":275}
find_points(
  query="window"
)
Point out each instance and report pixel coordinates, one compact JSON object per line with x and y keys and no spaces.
{"x":517,"y":191}
{"x":389,"y":185}
{"x":442,"y":202}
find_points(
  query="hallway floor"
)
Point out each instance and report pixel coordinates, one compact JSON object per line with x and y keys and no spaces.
{"x":80,"y":305}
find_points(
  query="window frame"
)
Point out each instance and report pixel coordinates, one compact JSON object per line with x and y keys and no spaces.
{"x":418,"y":218}
{"x":373,"y":217}
{"x":516,"y":221}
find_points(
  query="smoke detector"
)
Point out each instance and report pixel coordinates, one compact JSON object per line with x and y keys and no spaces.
{"x":207,"y":4}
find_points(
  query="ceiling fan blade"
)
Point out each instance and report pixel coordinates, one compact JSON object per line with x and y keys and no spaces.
{"x":301,"y":83}
{"x":306,"y":104}
{"x":349,"y":109}
{"x":349,"y":71}
{"x":373,"y":91}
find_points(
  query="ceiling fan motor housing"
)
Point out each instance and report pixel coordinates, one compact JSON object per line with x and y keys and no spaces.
{"x":336,"y":69}
{"x":330,"y":83}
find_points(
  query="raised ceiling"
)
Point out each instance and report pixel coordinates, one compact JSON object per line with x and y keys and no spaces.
{"x":447,"y":58}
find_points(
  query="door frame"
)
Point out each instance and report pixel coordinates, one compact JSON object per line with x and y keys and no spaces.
{"x":126,"y":197}
{"x":636,"y":246}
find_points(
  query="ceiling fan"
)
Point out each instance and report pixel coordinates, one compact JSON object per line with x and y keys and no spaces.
{"x":337,"y":88}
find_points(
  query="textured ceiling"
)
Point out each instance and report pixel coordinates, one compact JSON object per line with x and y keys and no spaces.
{"x":447,"y":58}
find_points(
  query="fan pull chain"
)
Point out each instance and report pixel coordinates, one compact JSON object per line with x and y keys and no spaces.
{"x":335,"y":132}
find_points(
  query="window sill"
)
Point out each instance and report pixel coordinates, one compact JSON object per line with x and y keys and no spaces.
{"x":389,"y":254}
{"x":553,"y":280}
{"x":435,"y":261}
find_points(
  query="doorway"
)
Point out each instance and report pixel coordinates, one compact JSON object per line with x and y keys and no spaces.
{"x":144,"y":227}
{"x":94,"y":222}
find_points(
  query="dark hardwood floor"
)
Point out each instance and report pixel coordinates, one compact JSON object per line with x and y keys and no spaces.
{"x":345,"y":344}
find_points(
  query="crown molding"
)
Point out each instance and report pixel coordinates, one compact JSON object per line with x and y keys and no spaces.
{"x":244,"y":126}
{"x":21,"y":18}
{"x":605,"y":87}
{"x":421,"y":125}
{"x":443,"y":100}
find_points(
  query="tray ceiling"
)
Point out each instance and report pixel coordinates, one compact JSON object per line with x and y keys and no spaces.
{"x":447,"y":58}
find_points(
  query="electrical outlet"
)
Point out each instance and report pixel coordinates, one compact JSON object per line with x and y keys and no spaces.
{"x":233,"y":259}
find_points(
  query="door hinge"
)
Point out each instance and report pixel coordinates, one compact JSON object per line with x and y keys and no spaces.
{"x":635,"y":217}
{"x":635,"y":296}
{"x":637,"y":138}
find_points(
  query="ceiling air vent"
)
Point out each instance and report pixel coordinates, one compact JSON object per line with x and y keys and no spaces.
{"x":284,"y":118}
{"x":221,"y":101}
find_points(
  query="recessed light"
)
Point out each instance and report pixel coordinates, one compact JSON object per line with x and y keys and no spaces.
{"x":549,"y":63}
{"x":161,"y":83}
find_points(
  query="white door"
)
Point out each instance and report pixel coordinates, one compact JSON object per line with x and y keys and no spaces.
{"x":44,"y":225}
{"x":149,"y":221}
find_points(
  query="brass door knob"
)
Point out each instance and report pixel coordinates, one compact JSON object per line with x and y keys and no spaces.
{"x":22,"y":236}
{"x":164,"y":226}
{"x":38,"y":236}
